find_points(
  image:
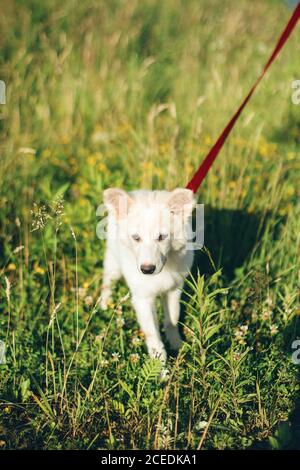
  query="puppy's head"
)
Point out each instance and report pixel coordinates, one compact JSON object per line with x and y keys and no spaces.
{"x":152,"y":223}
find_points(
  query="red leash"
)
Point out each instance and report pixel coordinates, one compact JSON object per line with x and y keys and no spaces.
{"x":202,"y":171}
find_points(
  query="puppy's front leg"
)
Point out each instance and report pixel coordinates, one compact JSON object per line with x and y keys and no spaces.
{"x":171,"y":303}
{"x":146,"y":315}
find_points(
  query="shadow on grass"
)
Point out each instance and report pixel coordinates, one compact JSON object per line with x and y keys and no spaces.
{"x":230,"y":237}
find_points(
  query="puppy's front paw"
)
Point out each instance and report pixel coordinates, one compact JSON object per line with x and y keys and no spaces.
{"x":157,"y":351}
{"x":164,"y":374}
{"x":104,"y":304}
{"x":105,"y":300}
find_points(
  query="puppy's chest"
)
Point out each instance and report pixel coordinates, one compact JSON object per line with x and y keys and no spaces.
{"x":154,"y":285}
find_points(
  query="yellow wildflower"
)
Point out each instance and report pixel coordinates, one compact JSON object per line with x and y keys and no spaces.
{"x":11,"y":267}
{"x":83,"y":202}
{"x":39,"y":270}
{"x":207,"y":140}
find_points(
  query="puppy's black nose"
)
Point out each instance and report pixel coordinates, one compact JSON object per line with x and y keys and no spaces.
{"x":148,"y":268}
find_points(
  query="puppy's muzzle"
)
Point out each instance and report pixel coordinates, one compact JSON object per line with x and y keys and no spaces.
{"x":148,"y":268}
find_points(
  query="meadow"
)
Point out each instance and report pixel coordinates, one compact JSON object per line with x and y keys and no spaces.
{"x":132,"y":94}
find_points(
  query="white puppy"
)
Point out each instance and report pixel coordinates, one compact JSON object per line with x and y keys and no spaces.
{"x":147,"y":245}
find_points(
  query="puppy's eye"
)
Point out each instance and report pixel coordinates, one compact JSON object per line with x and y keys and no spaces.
{"x":136,"y":237}
{"x":162,"y":236}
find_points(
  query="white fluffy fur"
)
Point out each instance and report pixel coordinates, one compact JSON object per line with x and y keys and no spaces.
{"x":135,"y":222}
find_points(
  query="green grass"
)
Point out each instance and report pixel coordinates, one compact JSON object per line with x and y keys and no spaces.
{"x":86,"y":82}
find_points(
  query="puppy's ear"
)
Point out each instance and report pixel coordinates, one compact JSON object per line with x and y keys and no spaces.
{"x":117,"y":202}
{"x":181,"y":201}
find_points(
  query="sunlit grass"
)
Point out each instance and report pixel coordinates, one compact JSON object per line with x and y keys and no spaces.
{"x":133,"y":94}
